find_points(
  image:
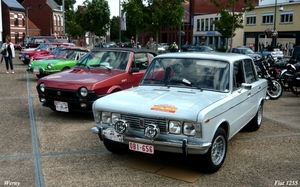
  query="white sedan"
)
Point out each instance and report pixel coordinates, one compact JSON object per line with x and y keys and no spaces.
{"x":188,"y":103}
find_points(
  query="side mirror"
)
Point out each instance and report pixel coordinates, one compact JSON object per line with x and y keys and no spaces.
{"x":133,"y":70}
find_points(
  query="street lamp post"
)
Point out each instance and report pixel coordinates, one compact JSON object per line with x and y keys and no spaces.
{"x":274,"y":29}
{"x":120,"y":27}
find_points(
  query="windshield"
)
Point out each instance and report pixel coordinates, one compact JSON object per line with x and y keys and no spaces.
{"x":43,"y":46}
{"x":105,"y":59}
{"x":199,"y":73}
{"x":246,"y":51}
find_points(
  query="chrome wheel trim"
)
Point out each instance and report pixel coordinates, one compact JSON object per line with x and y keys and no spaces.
{"x":218,"y":150}
{"x":259,"y":115}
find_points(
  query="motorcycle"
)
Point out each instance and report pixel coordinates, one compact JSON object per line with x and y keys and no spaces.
{"x":291,"y":77}
{"x":267,"y":71}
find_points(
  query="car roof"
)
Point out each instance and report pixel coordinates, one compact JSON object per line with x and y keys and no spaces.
{"x":230,"y":57}
{"x":134,"y":50}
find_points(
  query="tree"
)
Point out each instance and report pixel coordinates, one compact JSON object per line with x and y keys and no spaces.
{"x":114,"y":28}
{"x":229,"y":14}
{"x":94,"y":17}
{"x":159,"y":13}
{"x":135,"y":17}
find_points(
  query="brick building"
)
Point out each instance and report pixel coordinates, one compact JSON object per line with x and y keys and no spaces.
{"x":46,"y":15}
{"x":13,"y":20}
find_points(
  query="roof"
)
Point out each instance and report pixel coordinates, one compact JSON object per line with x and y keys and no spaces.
{"x":134,"y":50}
{"x":13,"y":4}
{"x":230,"y":57}
{"x":53,"y":5}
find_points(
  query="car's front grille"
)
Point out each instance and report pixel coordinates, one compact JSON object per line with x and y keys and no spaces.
{"x":65,"y":95}
{"x":137,"y":122}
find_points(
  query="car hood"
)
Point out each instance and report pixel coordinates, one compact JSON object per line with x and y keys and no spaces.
{"x":45,"y":62}
{"x":77,"y":77}
{"x":142,"y":100}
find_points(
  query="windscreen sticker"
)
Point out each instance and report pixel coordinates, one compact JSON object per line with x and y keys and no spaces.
{"x":164,"y":108}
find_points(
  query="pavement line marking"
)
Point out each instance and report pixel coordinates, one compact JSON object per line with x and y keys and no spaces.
{"x":39,"y":177}
{"x":55,"y":153}
{"x":283,"y":122}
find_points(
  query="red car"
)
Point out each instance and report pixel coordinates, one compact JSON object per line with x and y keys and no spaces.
{"x":52,"y":53}
{"x":98,"y":73}
{"x":43,"y":49}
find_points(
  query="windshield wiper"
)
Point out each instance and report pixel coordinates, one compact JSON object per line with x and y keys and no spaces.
{"x":102,"y":65}
{"x":185,"y":81}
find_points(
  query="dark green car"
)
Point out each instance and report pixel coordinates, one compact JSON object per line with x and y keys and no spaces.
{"x":63,"y":60}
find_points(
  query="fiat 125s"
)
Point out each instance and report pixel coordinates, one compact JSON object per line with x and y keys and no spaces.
{"x":189,"y":103}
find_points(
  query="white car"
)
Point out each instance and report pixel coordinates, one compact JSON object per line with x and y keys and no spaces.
{"x":188,"y":103}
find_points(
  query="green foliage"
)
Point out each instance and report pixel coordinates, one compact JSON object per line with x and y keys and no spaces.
{"x":230,"y":19}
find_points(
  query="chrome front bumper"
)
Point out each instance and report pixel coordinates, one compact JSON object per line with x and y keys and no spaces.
{"x":183,"y":146}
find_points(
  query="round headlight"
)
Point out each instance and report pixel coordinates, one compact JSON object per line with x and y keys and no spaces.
{"x":115,"y":117}
{"x":83,"y":91}
{"x":49,"y":66}
{"x":189,"y":129}
{"x":105,"y":117}
{"x":42,"y":87}
{"x":175,"y":127}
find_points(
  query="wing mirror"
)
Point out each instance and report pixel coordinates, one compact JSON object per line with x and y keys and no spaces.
{"x":133,"y":70}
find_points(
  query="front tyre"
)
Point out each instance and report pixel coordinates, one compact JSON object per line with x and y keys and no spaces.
{"x":216,"y":154}
{"x":274,"y":90}
{"x":295,"y":89}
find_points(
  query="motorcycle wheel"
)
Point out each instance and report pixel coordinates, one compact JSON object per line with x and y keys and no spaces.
{"x":295,"y":87}
{"x":283,"y":81}
{"x":275,"y":90}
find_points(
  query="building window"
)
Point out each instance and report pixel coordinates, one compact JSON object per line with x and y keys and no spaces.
{"x":58,"y":20}
{"x":16,"y":20}
{"x":267,"y":19}
{"x":287,"y":17}
{"x":54,"y":21}
{"x":216,"y":28}
{"x":251,"y":20}
{"x":23,"y":20}
{"x":206,"y":24}
{"x":211,"y":24}
{"x":198,"y":24}
{"x":202,"y":24}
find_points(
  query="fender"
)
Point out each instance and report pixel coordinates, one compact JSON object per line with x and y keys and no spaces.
{"x":113,"y":88}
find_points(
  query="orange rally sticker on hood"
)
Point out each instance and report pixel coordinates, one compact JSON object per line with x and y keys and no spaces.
{"x":164,"y":108}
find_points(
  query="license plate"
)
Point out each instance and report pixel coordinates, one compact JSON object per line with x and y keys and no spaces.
{"x":61,"y":106}
{"x":36,"y":71}
{"x":144,"y":148}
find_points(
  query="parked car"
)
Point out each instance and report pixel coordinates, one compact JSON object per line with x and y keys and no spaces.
{"x":200,"y":48}
{"x":65,"y":59}
{"x":35,"y":41}
{"x":188,"y":103}
{"x":18,"y":46}
{"x":25,"y":55}
{"x":52,"y":53}
{"x":185,"y":47}
{"x":99,"y":73}
{"x":275,"y":52}
{"x":112,"y":44}
{"x":105,"y":45}
{"x":245,"y":50}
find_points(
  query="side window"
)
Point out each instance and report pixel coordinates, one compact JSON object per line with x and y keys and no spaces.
{"x":140,"y":61}
{"x":235,"y":51}
{"x":249,"y":71}
{"x":238,"y":74}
